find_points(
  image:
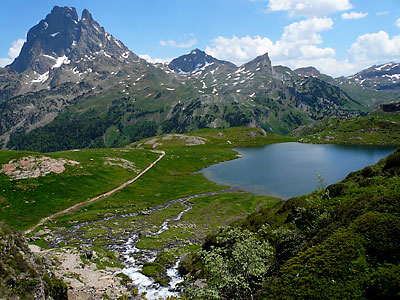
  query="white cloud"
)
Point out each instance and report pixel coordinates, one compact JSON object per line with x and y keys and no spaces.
{"x":239,"y":50}
{"x":298,"y":44}
{"x":376,"y":47}
{"x":354,"y":15}
{"x":149,"y":59}
{"x":13,"y":52}
{"x":4,"y":61}
{"x":309,"y":8}
{"x":175,"y":44}
{"x":397,"y":23}
{"x":382,"y":13}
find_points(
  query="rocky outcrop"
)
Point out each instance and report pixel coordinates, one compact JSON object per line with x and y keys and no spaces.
{"x":32,"y":167}
{"x":24,"y":275}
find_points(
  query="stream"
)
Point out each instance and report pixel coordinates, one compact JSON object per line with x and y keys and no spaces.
{"x":134,"y":258}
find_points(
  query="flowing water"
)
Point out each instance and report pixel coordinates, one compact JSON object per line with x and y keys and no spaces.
{"x":134,"y":258}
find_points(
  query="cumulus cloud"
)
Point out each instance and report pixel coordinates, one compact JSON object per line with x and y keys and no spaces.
{"x":175,"y":44}
{"x":300,"y":46}
{"x":239,"y":50}
{"x":149,"y":59}
{"x":299,"y":43}
{"x":13,"y":52}
{"x":376,"y":47}
{"x":354,"y":15}
{"x":397,"y":23}
{"x":309,"y":8}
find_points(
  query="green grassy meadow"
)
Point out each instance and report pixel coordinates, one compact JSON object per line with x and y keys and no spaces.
{"x":24,"y":202}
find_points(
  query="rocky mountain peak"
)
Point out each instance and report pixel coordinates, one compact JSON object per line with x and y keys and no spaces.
{"x":61,"y":37}
{"x":86,"y":15}
{"x":260,"y":63}
{"x":196,"y":60}
{"x":58,"y":13}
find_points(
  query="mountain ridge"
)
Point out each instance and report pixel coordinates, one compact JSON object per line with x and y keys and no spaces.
{"x":96,"y":92}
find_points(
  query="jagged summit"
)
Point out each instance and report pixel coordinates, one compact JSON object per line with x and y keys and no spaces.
{"x":260,"y":63}
{"x":61,"y":37}
{"x":196,"y":60}
{"x":87,"y":15}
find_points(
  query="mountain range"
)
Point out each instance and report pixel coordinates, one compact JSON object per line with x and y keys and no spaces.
{"x":74,"y":85}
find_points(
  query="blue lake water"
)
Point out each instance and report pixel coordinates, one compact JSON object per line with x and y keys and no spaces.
{"x":291,"y":169}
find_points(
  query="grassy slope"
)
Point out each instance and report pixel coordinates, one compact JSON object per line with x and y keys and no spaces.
{"x":176,"y":176}
{"x":173,"y":177}
{"x":24,"y":202}
{"x":378,"y":128}
{"x":369,"y":98}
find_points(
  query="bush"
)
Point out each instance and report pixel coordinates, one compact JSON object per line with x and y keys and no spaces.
{"x":385,"y":283}
{"x":235,"y":268}
{"x":382,"y":236}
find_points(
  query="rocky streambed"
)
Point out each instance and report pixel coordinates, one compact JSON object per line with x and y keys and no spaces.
{"x":122,"y":233}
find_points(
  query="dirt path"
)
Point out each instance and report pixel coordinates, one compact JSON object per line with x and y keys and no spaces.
{"x":78,"y":205}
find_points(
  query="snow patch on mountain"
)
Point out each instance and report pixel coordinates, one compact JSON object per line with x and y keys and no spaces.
{"x":41,"y":78}
{"x":60,"y":61}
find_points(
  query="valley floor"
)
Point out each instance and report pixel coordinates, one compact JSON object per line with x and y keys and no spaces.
{"x":117,"y":224}
{"x":144,"y":224}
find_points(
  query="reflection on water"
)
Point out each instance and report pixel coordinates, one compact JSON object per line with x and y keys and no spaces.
{"x":290,"y":169}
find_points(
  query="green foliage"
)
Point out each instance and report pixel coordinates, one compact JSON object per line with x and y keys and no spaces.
{"x":392,"y":164}
{"x":384,"y":283}
{"x":382,"y":233}
{"x":234,"y":271}
{"x":334,"y":269}
{"x":55,"y":288}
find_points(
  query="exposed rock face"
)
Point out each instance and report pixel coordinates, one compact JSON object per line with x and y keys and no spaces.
{"x":32,"y":167}
{"x":61,"y":38}
{"x":22,"y":274}
{"x":262,"y":63}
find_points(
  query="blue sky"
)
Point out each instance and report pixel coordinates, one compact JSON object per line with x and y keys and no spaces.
{"x":339,"y":37}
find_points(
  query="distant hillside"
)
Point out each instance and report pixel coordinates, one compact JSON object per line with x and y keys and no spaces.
{"x":376,"y":85}
{"x":370,"y":87}
{"x":381,"y":127}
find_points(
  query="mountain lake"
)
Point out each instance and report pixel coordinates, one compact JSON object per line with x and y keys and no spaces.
{"x":287,"y":170}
